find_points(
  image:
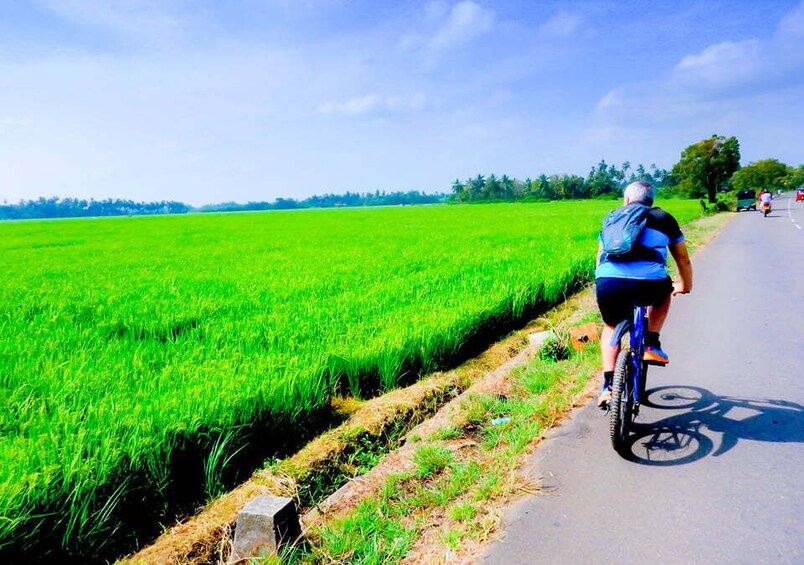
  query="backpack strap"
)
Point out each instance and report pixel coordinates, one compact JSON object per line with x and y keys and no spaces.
{"x":638,"y":252}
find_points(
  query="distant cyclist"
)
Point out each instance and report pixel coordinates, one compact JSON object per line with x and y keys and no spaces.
{"x":640,"y":278}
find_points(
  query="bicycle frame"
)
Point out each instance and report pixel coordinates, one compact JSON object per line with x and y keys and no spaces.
{"x":639,"y":326}
{"x":630,"y":378}
{"x":636,"y":328}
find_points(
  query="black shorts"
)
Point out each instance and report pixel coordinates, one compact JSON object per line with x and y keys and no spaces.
{"x":616,"y":297}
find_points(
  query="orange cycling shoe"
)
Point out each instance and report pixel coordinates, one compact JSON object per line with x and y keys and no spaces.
{"x":654,"y":355}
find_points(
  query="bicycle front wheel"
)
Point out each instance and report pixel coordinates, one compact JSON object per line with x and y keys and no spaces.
{"x":620,"y":407}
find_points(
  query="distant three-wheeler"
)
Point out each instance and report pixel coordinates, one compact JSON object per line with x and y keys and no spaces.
{"x":746,"y":200}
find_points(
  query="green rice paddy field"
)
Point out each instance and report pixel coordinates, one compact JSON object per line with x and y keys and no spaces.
{"x":136,"y":354}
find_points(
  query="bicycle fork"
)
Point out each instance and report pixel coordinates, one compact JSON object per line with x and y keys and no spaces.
{"x":637,"y":337}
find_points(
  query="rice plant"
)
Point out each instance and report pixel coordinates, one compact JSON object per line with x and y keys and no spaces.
{"x":132,"y":348}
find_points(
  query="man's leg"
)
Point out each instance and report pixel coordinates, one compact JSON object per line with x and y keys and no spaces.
{"x":657,"y":314}
{"x":613,"y":302}
{"x":608,"y":352}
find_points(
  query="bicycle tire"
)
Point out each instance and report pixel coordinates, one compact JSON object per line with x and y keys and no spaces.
{"x":620,"y":406}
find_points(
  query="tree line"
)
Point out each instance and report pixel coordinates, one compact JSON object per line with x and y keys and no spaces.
{"x":348,"y":199}
{"x":707,"y":169}
{"x":79,"y":208}
{"x":603,"y":180}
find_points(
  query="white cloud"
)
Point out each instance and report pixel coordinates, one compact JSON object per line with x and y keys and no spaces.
{"x":792,"y":24}
{"x":741,"y":88}
{"x":465,"y":22}
{"x":353,"y":107}
{"x":443,"y":30}
{"x":435,"y":12}
{"x":724,"y":64}
{"x":787,"y":48}
{"x":722,"y":77}
{"x":562,"y":24}
{"x":611,"y":99}
{"x":370,"y":104}
{"x":143,"y":21}
{"x":412,"y":103}
{"x":9,"y":123}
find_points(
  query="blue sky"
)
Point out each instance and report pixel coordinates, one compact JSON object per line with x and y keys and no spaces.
{"x":206,"y":101}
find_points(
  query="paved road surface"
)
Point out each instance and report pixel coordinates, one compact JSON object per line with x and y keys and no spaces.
{"x":718,"y":470}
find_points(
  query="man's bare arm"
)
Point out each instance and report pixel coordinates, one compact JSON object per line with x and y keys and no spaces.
{"x":682,"y":259}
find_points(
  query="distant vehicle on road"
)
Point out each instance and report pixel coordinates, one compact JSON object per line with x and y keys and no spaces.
{"x":800,"y":194}
{"x":746,"y":200}
{"x":765,"y":198}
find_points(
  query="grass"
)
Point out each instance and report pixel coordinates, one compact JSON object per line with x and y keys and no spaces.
{"x":446,"y":502}
{"x":141,"y":357}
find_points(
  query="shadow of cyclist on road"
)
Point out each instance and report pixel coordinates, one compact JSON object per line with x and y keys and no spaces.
{"x":700,"y":416}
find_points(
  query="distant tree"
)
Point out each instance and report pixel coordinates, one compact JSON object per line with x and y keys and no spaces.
{"x":568,"y":186}
{"x":476,"y":187}
{"x":543,"y":188}
{"x":458,"y":189}
{"x":285,"y":204}
{"x":576,"y":186}
{"x":507,"y":187}
{"x":601,"y":180}
{"x":768,"y":173}
{"x":659,"y":177}
{"x":795,"y":177}
{"x":526,"y":188}
{"x":493,"y":188}
{"x":624,"y":171}
{"x":706,"y":166}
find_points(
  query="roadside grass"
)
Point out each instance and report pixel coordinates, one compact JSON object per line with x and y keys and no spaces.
{"x":460,"y":471}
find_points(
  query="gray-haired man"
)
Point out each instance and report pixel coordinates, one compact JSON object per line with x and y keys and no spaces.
{"x":640,"y":280}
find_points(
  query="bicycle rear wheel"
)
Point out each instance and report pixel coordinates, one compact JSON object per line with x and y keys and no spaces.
{"x":621,"y":406}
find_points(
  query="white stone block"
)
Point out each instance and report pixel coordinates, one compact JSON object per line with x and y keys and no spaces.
{"x":263,"y":526}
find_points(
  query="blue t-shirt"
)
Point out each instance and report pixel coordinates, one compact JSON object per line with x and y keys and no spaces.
{"x":661,"y":230}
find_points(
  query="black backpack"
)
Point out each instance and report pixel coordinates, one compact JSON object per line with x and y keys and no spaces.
{"x":620,"y":235}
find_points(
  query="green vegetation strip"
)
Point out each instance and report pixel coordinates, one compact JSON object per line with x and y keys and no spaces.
{"x":444,"y":504}
{"x":144,"y":360}
{"x":374,"y":429}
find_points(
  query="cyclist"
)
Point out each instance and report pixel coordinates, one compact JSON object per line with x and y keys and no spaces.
{"x":643,"y":279}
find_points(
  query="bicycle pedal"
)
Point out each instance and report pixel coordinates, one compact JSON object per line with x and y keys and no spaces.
{"x":655,"y":363}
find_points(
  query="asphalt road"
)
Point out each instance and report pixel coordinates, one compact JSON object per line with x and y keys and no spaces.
{"x":717,"y":473}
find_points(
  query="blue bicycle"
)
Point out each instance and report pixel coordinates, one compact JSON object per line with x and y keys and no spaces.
{"x":630,"y":376}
